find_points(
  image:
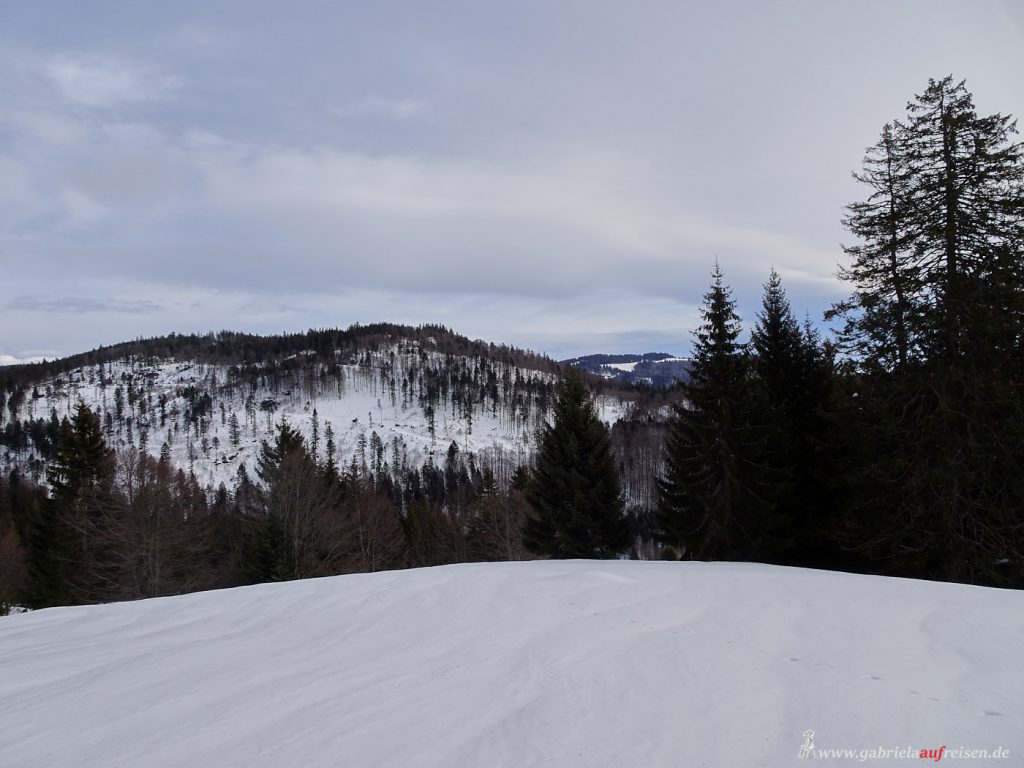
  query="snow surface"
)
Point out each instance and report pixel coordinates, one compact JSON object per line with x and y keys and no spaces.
{"x":627,"y":367}
{"x":518,"y":664}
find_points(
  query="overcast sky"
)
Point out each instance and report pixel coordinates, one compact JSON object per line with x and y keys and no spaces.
{"x":558,"y":175}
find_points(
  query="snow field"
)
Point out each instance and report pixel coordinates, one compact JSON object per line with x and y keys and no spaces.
{"x":517,"y":664}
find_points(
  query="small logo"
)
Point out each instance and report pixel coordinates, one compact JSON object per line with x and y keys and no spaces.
{"x":808,"y":746}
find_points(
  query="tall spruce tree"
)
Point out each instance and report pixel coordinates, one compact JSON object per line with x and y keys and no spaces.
{"x":936,"y":267}
{"x":574,"y":493}
{"x":887,"y":300}
{"x":82,"y":461}
{"x":717,"y":494}
{"x":793,"y":376}
{"x":968,"y":186}
{"x":777,"y":344}
{"x":65,"y":558}
{"x":935,"y":490}
{"x":274,"y":557}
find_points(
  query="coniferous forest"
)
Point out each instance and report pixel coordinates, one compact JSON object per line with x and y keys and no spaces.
{"x":890,"y":445}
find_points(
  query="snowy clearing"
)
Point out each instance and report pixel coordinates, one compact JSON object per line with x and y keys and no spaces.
{"x":518,"y":664}
{"x":626,"y":367}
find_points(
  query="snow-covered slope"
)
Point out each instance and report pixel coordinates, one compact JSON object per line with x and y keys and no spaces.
{"x":519,"y":664}
{"x":376,"y":398}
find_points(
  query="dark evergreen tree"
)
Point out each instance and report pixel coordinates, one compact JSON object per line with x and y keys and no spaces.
{"x":331,"y":468}
{"x":272,"y":455}
{"x":936,"y":267}
{"x":315,"y":436}
{"x":83,"y":461}
{"x":778,"y":358}
{"x":968,"y":187}
{"x":574,"y":495}
{"x":935,"y":491}
{"x":886,"y":304}
{"x":62,"y":535}
{"x":793,"y":385}
{"x":778,"y":346}
{"x":274,"y":557}
{"x":717,"y":498}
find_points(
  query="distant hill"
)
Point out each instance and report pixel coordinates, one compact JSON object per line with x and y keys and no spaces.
{"x":655,"y":369}
{"x":234,"y":348}
{"x":390,"y":397}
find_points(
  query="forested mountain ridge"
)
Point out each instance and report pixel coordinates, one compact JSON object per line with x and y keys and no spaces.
{"x":236,"y":348}
{"x":384,"y":398}
{"x":167,"y":465}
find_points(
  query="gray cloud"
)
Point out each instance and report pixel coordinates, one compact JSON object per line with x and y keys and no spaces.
{"x":379,"y":106}
{"x":549,"y":179}
{"x":103,"y":81}
{"x":81,"y":305}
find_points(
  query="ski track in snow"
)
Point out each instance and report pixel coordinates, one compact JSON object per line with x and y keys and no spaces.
{"x":517,"y":664}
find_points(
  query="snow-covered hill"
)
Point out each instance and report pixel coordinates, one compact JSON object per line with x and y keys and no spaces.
{"x":519,"y":664}
{"x":400,"y":405}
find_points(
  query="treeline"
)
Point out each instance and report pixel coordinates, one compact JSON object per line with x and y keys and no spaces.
{"x":233,"y":348}
{"x":898,"y":449}
{"x":119,"y":525}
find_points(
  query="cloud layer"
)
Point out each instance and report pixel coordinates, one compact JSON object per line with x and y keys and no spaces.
{"x":562,"y":181}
